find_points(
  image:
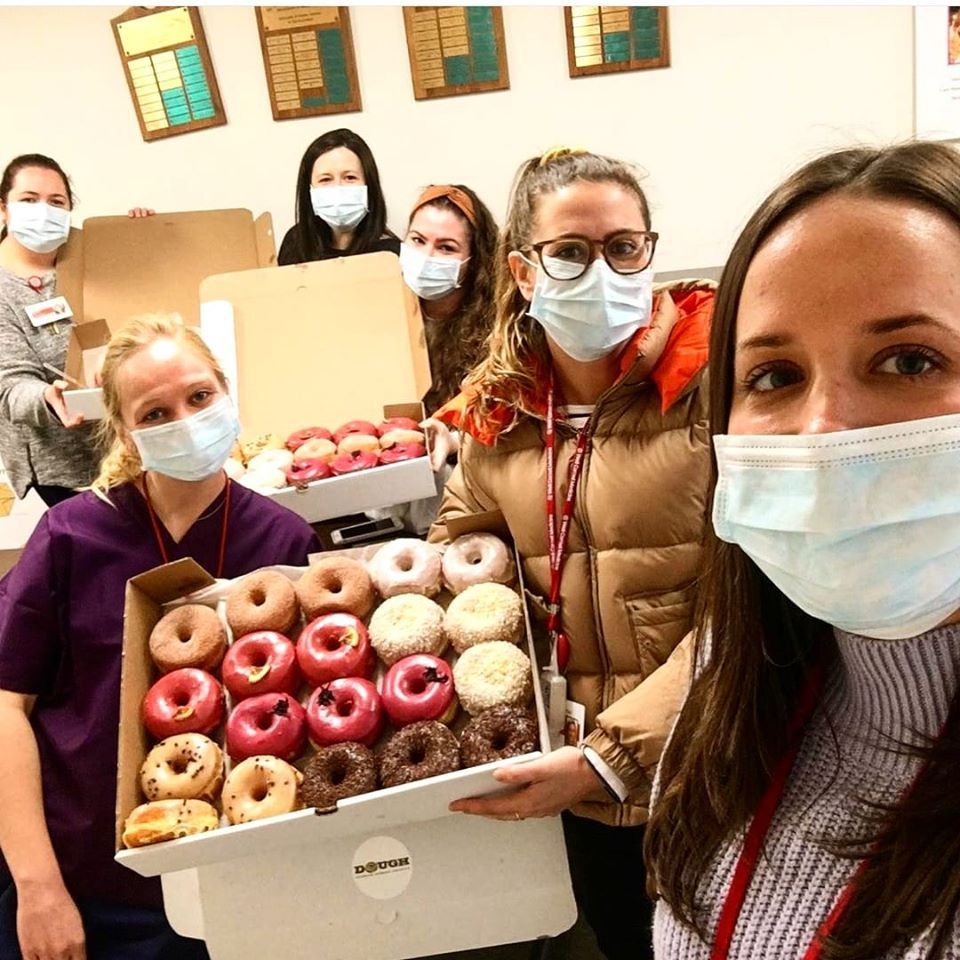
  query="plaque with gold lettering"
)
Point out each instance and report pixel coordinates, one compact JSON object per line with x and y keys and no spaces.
{"x":309,"y":61}
{"x":455,"y":50}
{"x":614,"y":39}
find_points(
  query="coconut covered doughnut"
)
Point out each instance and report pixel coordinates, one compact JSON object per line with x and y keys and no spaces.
{"x":483,"y":613}
{"x":188,"y":766}
{"x":497,"y":734}
{"x":407,"y":624}
{"x":261,"y":787}
{"x":316,"y":448}
{"x":262,"y":601}
{"x":337,"y":772}
{"x":477,"y":558}
{"x":407,"y":565}
{"x":423,"y":749}
{"x":399,"y":435}
{"x":188,"y":636}
{"x":162,"y":820}
{"x":490,"y":674}
{"x":335,"y":585}
{"x":270,"y":458}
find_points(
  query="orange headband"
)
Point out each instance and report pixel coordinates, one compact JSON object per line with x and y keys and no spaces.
{"x":457,"y":197}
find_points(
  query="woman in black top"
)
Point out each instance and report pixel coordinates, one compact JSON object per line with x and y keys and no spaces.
{"x":340,"y":206}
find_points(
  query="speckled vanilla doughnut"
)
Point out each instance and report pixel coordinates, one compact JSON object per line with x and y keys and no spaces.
{"x":483,"y":613}
{"x":491,"y":674}
{"x":270,"y":458}
{"x":398,"y":435}
{"x":407,"y":565}
{"x":316,"y":448}
{"x":188,"y":766}
{"x":261,"y":787}
{"x":335,"y":585}
{"x":265,"y":600}
{"x":161,"y":820}
{"x":188,"y":636}
{"x":409,"y":623}
{"x":477,"y":558}
{"x":266,"y":441}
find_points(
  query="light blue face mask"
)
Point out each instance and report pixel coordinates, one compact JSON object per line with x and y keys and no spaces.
{"x":193,"y":448}
{"x":38,"y":226}
{"x":341,"y":207}
{"x":860,"y":529}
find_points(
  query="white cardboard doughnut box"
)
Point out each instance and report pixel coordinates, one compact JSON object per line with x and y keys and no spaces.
{"x":387,"y":875}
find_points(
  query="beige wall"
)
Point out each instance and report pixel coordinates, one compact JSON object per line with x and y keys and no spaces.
{"x":752,"y":92}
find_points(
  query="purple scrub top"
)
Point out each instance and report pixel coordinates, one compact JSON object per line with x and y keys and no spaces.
{"x":61,"y":630}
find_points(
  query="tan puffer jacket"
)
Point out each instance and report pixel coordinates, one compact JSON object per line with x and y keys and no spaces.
{"x":635,"y":539}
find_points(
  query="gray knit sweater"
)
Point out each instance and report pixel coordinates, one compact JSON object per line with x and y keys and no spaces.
{"x":880,"y":689}
{"x":34,"y":446}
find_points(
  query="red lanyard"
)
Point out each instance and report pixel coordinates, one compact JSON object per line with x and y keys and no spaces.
{"x":557,"y":543}
{"x":158,"y":536}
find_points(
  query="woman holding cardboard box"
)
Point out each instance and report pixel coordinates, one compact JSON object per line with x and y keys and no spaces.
{"x":161,"y":494}
{"x":596,"y":379}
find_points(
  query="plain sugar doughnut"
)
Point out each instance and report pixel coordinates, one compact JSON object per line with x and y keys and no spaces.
{"x":265,"y":600}
{"x":335,"y":585}
{"x":188,"y":766}
{"x":407,"y":624}
{"x":188,"y":636}
{"x":406,"y":565}
{"x":483,"y":613}
{"x":491,"y":674}
{"x":477,"y":558}
{"x":261,"y":787}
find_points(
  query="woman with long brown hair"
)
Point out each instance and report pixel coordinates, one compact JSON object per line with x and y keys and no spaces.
{"x":594,"y":376}
{"x":807,"y":802}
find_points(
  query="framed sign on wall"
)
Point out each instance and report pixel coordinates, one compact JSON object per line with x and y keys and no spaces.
{"x":309,"y":61}
{"x":614,"y":39}
{"x":168,"y":70}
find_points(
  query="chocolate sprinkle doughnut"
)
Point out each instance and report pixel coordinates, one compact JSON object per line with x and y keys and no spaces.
{"x":424,"y":749}
{"x":497,"y":734}
{"x":336,"y":772}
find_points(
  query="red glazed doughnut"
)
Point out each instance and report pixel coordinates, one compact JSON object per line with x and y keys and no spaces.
{"x":183,"y":701}
{"x":419,"y":687}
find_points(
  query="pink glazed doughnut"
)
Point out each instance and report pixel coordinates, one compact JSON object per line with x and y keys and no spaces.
{"x":407,"y":565}
{"x":477,"y":558}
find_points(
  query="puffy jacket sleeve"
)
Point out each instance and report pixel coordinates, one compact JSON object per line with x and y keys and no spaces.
{"x":631,"y":733}
{"x":463,"y":494}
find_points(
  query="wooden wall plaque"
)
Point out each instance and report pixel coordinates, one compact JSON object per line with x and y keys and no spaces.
{"x":614,"y":39}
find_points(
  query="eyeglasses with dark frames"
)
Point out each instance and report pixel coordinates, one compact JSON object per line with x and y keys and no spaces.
{"x":567,"y":258}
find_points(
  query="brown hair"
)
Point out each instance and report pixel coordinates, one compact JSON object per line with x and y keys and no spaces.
{"x":122,"y":462}
{"x":21,"y":163}
{"x":732,"y":728}
{"x":455,"y":349}
{"x":517,"y":347}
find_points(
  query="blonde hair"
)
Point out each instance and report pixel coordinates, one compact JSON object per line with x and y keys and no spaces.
{"x":122,"y":462}
{"x":517,"y":347}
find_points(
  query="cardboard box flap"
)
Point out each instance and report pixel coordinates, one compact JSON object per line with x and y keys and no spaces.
{"x":172,"y":580}
{"x":69,"y":282}
{"x":412,"y":410}
{"x":86,"y":346}
{"x":490,"y":521}
{"x":266,"y":245}
{"x":321,"y":343}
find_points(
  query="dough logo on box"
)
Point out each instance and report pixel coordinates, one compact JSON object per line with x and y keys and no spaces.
{"x":382,"y":868}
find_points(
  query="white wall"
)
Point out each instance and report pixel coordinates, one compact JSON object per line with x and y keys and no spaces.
{"x":751,"y":93}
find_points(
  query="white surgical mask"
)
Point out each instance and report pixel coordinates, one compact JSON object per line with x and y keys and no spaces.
{"x":860,"y":529}
{"x":430,"y":278}
{"x":193,"y":448}
{"x":341,"y":207}
{"x":591,"y":316}
{"x":38,"y":226}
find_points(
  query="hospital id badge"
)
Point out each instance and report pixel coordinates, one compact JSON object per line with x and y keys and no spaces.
{"x":574,"y":723}
{"x":48,"y":311}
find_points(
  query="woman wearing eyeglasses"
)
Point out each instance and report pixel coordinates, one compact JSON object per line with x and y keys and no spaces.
{"x":590,"y":409}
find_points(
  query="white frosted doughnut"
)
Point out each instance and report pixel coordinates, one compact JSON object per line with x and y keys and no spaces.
{"x":280,"y":459}
{"x":406,"y":565}
{"x":483,"y":613}
{"x":406,"y":624}
{"x":266,"y":478}
{"x":233,"y":468}
{"x":477,"y":558}
{"x":490,"y":674}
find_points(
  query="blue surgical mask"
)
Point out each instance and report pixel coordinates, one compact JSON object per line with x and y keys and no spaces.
{"x":341,"y":207}
{"x":589,"y":317}
{"x":38,"y":226}
{"x":430,"y":278}
{"x":193,"y":448}
{"x":860,"y":529}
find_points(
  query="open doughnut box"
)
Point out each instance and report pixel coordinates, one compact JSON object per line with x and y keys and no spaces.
{"x":389,"y":874}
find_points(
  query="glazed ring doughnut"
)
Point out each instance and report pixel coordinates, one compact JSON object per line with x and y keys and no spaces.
{"x":399,"y":435}
{"x":271,"y":459}
{"x":497,"y":734}
{"x":316,"y":448}
{"x":188,"y":636}
{"x":188,"y":766}
{"x":162,"y":820}
{"x":335,"y":585}
{"x":262,"y":601}
{"x":337,"y":772}
{"x":261,"y":787}
{"x":407,"y":565}
{"x":354,"y":442}
{"x":407,"y":624}
{"x":477,"y":558}
{"x":491,"y":674}
{"x":482,"y":613}
{"x":423,"y":749}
